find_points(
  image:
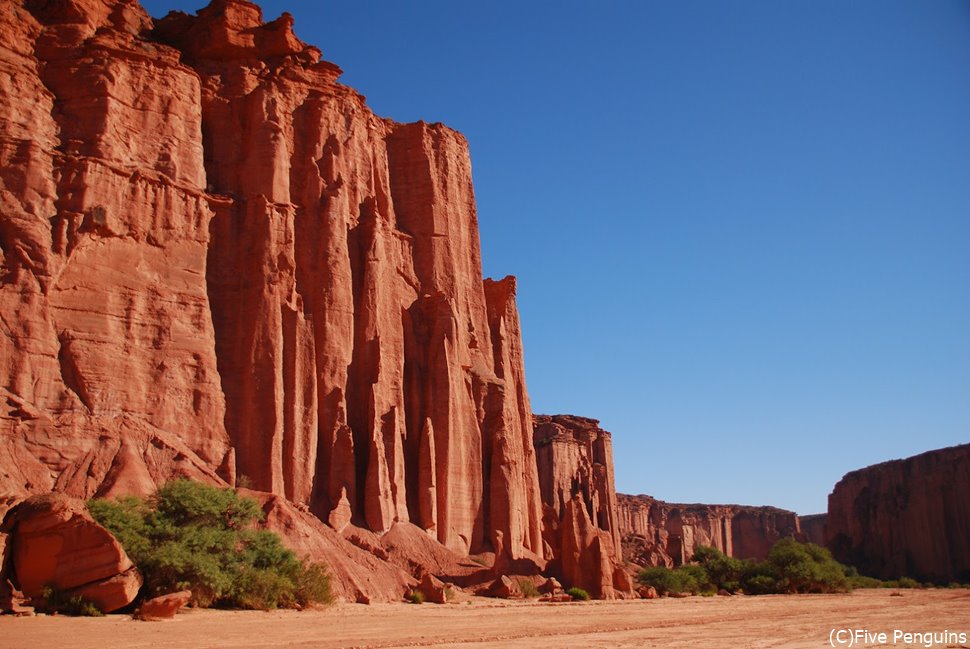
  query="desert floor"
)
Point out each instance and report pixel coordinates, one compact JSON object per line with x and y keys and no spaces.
{"x":772,"y":621}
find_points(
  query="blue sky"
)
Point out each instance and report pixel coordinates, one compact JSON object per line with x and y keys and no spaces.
{"x":741,"y":229}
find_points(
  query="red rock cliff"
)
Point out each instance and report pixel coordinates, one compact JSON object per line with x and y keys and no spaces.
{"x":575,"y":459}
{"x":906,"y":517}
{"x":217,"y":261}
{"x":655,"y":532}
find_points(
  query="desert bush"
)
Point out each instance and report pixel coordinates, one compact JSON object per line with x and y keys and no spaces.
{"x":528,"y":587}
{"x":57,"y":601}
{"x":416,"y":597}
{"x":793,"y":567}
{"x":722,"y":571}
{"x":685,"y":579}
{"x":578,"y":594}
{"x":660,"y":578}
{"x":201,"y":538}
{"x":862,"y":581}
{"x":907,"y":582}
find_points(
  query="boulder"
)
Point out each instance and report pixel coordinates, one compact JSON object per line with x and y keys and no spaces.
{"x":56,"y":542}
{"x":13,"y":601}
{"x":164,"y":607}
{"x":433,"y":589}
{"x":647,"y":592}
{"x":505,"y":588}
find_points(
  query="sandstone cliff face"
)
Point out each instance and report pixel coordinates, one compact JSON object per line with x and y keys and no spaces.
{"x":655,"y":532}
{"x":813,"y":528}
{"x":216,"y":260}
{"x":575,"y":458}
{"x":906,"y":517}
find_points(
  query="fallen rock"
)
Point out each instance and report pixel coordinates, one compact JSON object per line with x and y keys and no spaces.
{"x":647,"y":592}
{"x":551,"y":586}
{"x":13,"y":601}
{"x":505,"y":588}
{"x":164,"y":607}
{"x":433,"y":589}
{"x":56,"y":542}
{"x":556,"y":597}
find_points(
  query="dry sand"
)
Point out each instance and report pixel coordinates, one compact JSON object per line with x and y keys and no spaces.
{"x":772,"y":621}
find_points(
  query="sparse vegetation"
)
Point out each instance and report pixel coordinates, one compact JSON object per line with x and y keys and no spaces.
{"x":791,"y":567}
{"x":57,"y":601}
{"x":528,"y":588}
{"x":201,"y":538}
{"x":578,"y":594}
{"x":416,"y":597}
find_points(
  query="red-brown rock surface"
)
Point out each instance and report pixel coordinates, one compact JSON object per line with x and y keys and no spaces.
{"x":575,"y":458}
{"x":55,"y":542}
{"x":655,"y":532}
{"x":163,"y":607}
{"x":906,"y":517}
{"x":812,"y":527}
{"x":216,"y":259}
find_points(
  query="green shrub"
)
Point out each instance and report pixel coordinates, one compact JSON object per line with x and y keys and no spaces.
{"x":722,"y":571}
{"x":805,"y":568}
{"x":908,"y":582}
{"x":684,"y":579}
{"x":57,"y":601}
{"x":201,"y":538}
{"x":528,"y":587}
{"x":416,"y":597}
{"x":578,"y":594}
{"x":861,"y":581}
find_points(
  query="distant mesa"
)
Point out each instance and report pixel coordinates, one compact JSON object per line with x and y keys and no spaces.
{"x":658,"y":533}
{"x":905,"y":518}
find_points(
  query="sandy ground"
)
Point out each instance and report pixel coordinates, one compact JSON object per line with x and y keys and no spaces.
{"x":772,"y":621}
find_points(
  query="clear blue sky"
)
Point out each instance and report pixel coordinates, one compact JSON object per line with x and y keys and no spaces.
{"x":741,"y":229}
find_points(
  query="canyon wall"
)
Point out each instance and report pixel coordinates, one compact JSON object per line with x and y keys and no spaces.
{"x":575,"y":460}
{"x":658,"y":533}
{"x":813,"y":528}
{"x":906,"y":517}
{"x":216,"y":262}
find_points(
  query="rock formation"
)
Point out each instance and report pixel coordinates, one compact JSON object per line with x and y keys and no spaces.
{"x":217,"y":262}
{"x":575,"y":458}
{"x":906,"y":517}
{"x":655,"y":532}
{"x":55,"y":542}
{"x":813,"y":528}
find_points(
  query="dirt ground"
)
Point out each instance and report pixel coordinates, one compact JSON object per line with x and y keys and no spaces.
{"x":771,"y":621}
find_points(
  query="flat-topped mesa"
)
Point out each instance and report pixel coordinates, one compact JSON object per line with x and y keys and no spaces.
{"x":216,"y":259}
{"x":655,"y":532}
{"x":575,"y":459}
{"x":905,"y":518}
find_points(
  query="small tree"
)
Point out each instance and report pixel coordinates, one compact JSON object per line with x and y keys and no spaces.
{"x":724,"y":572}
{"x":193,"y":536}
